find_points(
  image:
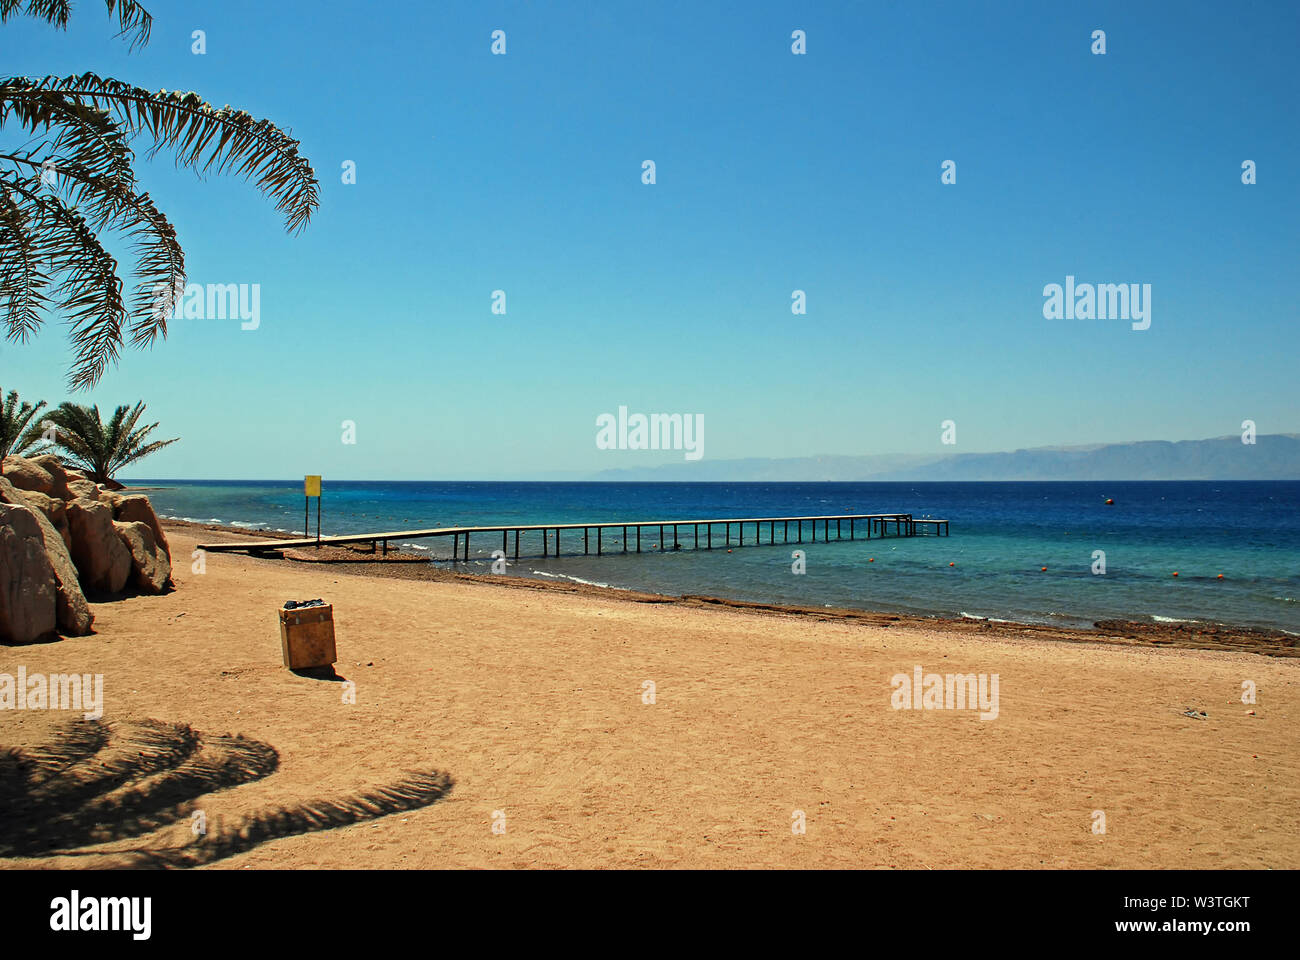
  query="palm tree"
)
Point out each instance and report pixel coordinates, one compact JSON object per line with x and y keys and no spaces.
{"x":17,"y":432}
{"x":72,"y":179}
{"x":101,"y":449}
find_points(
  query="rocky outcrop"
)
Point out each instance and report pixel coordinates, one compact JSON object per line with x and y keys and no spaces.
{"x":72,"y":613}
{"x":101,"y":557}
{"x":27,"y":589}
{"x":151,"y":567}
{"x":93,"y":540}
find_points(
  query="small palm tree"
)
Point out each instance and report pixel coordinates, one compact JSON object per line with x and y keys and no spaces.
{"x":101,"y":449}
{"x":17,"y":432}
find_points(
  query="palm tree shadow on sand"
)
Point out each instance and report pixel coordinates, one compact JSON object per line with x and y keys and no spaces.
{"x":98,"y":783}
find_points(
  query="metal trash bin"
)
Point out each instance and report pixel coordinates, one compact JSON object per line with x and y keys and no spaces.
{"x":307,"y":634}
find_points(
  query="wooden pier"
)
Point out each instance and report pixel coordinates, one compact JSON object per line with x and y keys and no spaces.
{"x":846,"y":527}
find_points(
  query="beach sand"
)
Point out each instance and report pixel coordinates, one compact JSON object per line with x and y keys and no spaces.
{"x":530,"y":702}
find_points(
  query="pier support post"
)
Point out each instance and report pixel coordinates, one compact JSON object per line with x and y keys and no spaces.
{"x":455,"y":547}
{"x":599,"y":531}
{"x":516,"y":544}
{"x":586,"y":540}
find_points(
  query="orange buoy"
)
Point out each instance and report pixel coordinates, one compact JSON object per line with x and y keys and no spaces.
{"x":1044,"y":569}
{"x":1110,"y":502}
{"x":871,"y":559}
{"x":1175,"y":573}
{"x":728,"y":551}
{"x":952,"y":564}
{"x":1220,"y":576}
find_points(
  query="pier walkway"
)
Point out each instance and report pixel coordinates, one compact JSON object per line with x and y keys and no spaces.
{"x":846,"y":527}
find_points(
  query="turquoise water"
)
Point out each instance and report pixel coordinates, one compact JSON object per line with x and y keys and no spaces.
{"x":1002,"y":535}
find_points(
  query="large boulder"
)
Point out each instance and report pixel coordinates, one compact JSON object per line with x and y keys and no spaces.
{"x":136,"y":507}
{"x":101,"y":557}
{"x":29,"y":475}
{"x":27,"y":586}
{"x":150,"y":565}
{"x":71,"y":610}
{"x":54,"y":510}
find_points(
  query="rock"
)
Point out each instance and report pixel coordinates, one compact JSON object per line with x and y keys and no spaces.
{"x":55,"y":468}
{"x":151,"y":567}
{"x":27,"y":590}
{"x":72,"y":613}
{"x":136,"y":507}
{"x":54,"y":510}
{"x":101,"y":557}
{"x":111,"y":498}
{"x":28,"y":475}
{"x":79,"y":487}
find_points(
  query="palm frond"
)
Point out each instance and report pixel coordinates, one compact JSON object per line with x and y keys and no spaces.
{"x":203,"y":137}
{"x":132,"y":19}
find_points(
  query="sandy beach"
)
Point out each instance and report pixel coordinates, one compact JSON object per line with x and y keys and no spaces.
{"x":526,"y":711}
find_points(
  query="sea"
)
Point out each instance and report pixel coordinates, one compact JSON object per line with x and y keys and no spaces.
{"x":1235,"y":546}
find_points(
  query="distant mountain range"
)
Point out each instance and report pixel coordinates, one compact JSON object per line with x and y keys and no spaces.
{"x":1271,"y":457}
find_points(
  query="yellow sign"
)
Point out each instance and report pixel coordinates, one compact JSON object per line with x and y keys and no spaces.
{"x":311,"y":486}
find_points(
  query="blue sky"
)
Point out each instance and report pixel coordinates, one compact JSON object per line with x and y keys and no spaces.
{"x":775,"y":172}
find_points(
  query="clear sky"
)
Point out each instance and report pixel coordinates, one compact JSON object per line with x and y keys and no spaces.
{"x":774,"y":172}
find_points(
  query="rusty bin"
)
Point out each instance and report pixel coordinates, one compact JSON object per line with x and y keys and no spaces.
{"x":307,"y":636}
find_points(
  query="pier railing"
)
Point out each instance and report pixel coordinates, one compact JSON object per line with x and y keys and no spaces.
{"x":873,"y":525}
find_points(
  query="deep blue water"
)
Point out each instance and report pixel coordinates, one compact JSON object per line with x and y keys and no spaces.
{"x":1002,"y":535}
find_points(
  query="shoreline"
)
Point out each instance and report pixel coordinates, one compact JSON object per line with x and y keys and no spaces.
{"x":407,"y":566}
